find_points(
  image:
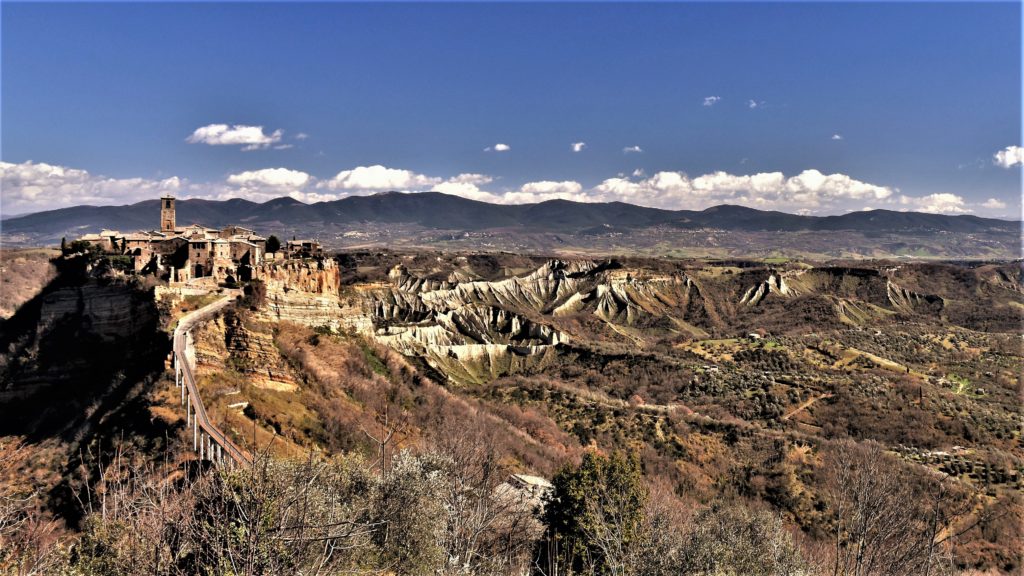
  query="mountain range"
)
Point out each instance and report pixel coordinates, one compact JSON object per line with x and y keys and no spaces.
{"x":428,"y":213}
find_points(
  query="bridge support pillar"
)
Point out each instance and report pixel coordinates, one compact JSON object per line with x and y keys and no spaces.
{"x":195,"y":434}
{"x":202,"y":447}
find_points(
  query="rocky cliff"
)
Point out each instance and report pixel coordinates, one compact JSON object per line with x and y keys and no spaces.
{"x":307,"y":292}
{"x":234,"y":342}
{"x":83,"y":340}
{"x":478,"y":330}
{"x":848,"y":287}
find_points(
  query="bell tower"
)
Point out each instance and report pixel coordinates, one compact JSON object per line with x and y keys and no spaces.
{"x":167,"y":214}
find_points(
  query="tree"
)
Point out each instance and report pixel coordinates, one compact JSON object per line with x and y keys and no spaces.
{"x":273,"y":244}
{"x":885,"y":520}
{"x":255,"y":294}
{"x":732,"y":539}
{"x":490,"y":527}
{"x":594,"y":515}
{"x":27,"y":537}
{"x":408,"y":513}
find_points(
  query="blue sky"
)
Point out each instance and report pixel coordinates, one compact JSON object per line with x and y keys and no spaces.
{"x":803,"y":107}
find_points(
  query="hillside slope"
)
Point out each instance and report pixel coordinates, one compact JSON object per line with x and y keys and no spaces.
{"x":435,"y":218}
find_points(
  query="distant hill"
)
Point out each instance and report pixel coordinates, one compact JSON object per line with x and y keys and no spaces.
{"x":434,"y":210}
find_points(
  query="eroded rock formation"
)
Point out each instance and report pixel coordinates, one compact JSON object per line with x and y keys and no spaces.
{"x":308,"y":293}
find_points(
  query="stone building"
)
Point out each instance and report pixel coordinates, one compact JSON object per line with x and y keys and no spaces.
{"x":303,"y":249}
{"x":184,"y":253}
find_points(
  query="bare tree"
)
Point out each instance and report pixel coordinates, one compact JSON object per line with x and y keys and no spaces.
{"x":28,"y":538}
{"x":729,"y":538}
{"x":389,"y":427}
{"x":490,"y":526}
{"x":886,"y":520}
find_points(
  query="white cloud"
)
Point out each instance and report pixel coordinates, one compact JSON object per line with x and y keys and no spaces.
{"x":466,"y":190}
{"x":468,"y":186}
{"x":711,"y":100}
{"x":752,"y":104}
{"x":545,"y":190}
{"x":270,"y":178}
{"x":566,"y":187}
{"x":378,"y":178}
{"x":632,"y":150}
{"x":267,"y":184}
{"x":834,"y":186}
{"x":283,"y":146}
{"x":809,"y":190}
{"x":837,"y":136}
{"x":249,"y":137}
{"x":938,"y":203}
{"x":31,"y":187}
{"x":471,"y":179}
{"x":499,"y":147}
{"x":578,"y":146}
{"x":639,"y":172}
{"x":301,"y":136}
{"x":1009,"y":157}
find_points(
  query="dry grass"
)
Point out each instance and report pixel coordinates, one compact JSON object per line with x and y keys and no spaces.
{"x":23,"y":273}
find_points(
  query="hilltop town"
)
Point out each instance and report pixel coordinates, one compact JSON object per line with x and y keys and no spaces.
{"x":180,"y":254}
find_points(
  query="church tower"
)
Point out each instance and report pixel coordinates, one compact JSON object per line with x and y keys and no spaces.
{"x":167,"y":214}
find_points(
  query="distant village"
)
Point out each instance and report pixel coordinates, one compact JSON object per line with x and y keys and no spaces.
{"x":181,"y":254}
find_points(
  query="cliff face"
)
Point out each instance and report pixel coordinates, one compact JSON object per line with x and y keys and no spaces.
{"x":232,"y":342}
{"x":108,"y":312}
{"x":475,"y":331}
{"x":866,"y":292}
{"x":307,"y":293}
{"x":72,"y":350}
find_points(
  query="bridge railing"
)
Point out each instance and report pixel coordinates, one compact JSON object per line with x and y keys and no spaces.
{"x":207,"y":439}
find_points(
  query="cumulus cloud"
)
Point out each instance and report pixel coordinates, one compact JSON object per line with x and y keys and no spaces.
{"x":29,"y":187}
{"x":837,"y":136}
{"x":32,"y":186}
{"x":578,"y":146}
{"x":546,"y":190}
{"x":266,"y":184}
{"x":753,"y":104}
{"x":632,"y":150}
{"x":1009,"y":157}
{"x":499,"y":147}
{"x":468,"y":186}
{"x":270,"y":178}
{"x":938,"y":203}
{"x":301,"y":136}
{"x":379,"y":178}
{"x":809,"y":190}
{"x":249,"y":137}
{"x":711,"y":100}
